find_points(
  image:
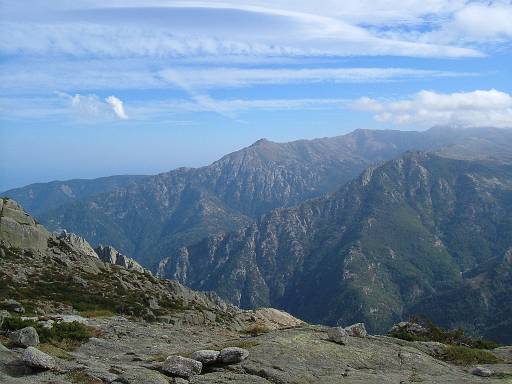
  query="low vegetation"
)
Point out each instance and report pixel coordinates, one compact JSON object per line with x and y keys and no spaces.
{"x":54,"y":351}
{"x":432,"y":332}
{"x":246,"y":344}
{"x":65,"y":336}
{"x":256,"y":329}
{"x":79,"y":377}
{"x":467,"y":356}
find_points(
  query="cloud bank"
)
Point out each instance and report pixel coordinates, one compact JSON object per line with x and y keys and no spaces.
{"x":428,"y":108}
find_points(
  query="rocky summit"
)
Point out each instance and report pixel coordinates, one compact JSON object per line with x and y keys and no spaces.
{"x":69,"y":317}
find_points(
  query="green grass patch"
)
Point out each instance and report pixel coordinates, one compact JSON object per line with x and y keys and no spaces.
{"x":79,"y":377}
{"x":54,"y":351}
{"x":467,"y":356}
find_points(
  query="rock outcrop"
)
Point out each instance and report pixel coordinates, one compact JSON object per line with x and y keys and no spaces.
{"x":110,"y":255}
{"x":34,"y":358}
{"x":78,"y":243}
{"x":233,"y":355}
{"x":25,"y":337}
{"x":338,"y":335}
{"x":19,"y":229}
{"x":206,"y":356}
{"x":76,"y":277}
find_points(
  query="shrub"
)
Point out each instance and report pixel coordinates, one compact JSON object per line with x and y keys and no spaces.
{"x":66,"y":336}
{"x":438,"y":334}
{"x":466,"y":356}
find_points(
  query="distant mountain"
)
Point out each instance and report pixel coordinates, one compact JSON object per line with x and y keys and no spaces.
{"x":41,"y":197}
{"x":423,"y":233}
{"x":151,"y":217}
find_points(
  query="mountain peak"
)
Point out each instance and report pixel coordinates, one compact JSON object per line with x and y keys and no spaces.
{"x":262,"y":141}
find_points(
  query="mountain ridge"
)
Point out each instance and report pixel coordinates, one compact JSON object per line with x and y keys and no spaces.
{"x":151,"y":217}
{"x":419,"y":204}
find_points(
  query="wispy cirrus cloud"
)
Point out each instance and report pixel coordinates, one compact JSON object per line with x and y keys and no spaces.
{"x":427,"y":108}
{"x":236,"y":106}
{"x":235,"y":77}
{"x":118,"y":75}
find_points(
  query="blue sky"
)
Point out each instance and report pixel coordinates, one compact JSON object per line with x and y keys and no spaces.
{"x":92,"y":88}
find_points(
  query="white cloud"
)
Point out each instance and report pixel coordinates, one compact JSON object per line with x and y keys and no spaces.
{"x":284,"y":29}
{"x":194,"y":82}
{"x":92,"y":107}
{"x":476,"y":23}
{"x":117,"y":106}
{"x":465,"y":109}
{"x":158,"y":28}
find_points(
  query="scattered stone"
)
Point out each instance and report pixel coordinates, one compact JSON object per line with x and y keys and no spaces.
{"x":141,"y":375}
{"x":338,"y":335}
{"x":181,"y":367}
{"x":357,"y":330}
{"x":179,"y":380}
{"x":481,"y":371}
{"x":206,"y":356}
{"x":233,"y":355}
{"x":34,"y":358}
{"x":25,"y":337}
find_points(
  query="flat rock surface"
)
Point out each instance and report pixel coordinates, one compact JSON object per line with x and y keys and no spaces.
{"x":129,"y":350}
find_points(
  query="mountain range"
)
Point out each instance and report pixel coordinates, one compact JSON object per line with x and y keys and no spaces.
{"x":150,"y":217}
{"x":370,"y":226}
{"x":390,"y":244}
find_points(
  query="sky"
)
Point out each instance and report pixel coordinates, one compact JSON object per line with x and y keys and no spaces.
{"x":93,"y":88}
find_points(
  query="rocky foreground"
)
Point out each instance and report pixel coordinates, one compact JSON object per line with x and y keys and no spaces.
{"x":68,"y":315}
{"x":136,"y":352}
